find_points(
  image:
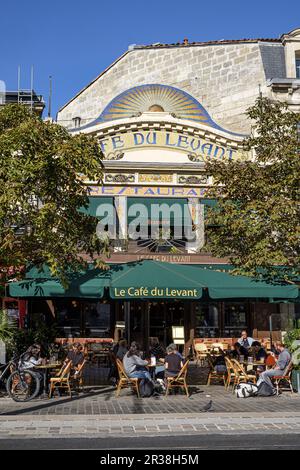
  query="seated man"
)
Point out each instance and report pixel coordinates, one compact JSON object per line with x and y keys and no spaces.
{"x":76,"y":357}
{"x":245,"y":340}
{"x":237,"y":351}
{"x":173,"y":362}
{"x":280,"y":366}
{"x":259,"y":352}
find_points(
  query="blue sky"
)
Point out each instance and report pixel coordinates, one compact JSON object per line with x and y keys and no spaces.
{"x":75,"y":40}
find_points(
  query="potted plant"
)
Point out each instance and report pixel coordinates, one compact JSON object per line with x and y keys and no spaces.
{"x":292,"y":342}
{"x":7,"y":330}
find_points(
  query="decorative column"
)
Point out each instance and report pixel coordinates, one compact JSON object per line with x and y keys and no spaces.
{"x":196,"y":211}
{"x":120,"y":203}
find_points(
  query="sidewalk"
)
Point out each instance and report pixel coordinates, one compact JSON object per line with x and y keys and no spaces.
{"x":102,"y":401}
{"x":31,"y":427}
{"x":98,"y":413}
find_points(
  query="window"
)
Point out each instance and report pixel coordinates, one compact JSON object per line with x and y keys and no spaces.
{"x":76,"y":121}
{"x":207,"y":320}
{"x":298,"y":67}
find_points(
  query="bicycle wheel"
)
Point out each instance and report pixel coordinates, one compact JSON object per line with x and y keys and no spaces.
{"x":23,"y":386}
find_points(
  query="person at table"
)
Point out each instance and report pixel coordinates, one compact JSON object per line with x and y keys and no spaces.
{"x":259,"y":352}
{"x":134,"y":365}
{"x":175,"y":348}
{"x":173,"y":362}
{"x":280,"y":366}
{"x":237,"y":351}
{"x":31,"y":359}
{"x":245,"y":340}
{"x":76,"y":356}
{"x":156,"y":349}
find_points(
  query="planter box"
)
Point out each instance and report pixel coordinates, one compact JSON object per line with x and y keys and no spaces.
{"x":296,"y":380}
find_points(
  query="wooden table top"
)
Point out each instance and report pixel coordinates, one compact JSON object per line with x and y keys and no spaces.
{"x":49,"y":366}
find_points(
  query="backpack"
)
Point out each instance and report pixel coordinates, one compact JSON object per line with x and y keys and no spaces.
{"x":146,"y":388}
{"x":245,"y":390}
{"x":264,"y":390}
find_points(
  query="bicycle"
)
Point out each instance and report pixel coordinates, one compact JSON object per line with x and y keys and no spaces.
{"x":21,"y":385}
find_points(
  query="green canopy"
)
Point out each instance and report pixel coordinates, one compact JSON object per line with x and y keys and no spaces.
{"x":223,"y":285}
{"x":153,"y":280}
{"x":89,"y":284}
{"x":149,"y":279}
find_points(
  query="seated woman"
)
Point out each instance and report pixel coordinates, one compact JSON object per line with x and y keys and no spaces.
{"x":173,"y":362}
{"x":134,"y":365}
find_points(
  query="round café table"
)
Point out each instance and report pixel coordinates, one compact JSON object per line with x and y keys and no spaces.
{"x":44,"y":368}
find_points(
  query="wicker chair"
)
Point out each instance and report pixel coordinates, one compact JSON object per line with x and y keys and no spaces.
{"x":179,"y":380}
{"x":200,"y":352}
{"x":62,"y":379}
{"x":241,"y":374}
{"x":213,"y":374}
{"x":125,"y":381}
{"x":286,"y":376}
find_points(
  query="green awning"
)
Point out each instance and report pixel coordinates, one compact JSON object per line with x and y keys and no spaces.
{"x":153,"y":280}
{"x":149,"y":279}
{"x":223,"y":285}
{"x":89,"y":284}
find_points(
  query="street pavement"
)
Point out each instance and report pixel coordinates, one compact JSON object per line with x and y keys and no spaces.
{"x":97,"y":419}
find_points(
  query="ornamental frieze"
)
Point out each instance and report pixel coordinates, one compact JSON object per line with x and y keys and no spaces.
{"x":119,"y":178}
{"x":191,"y":179}
{"x":155,"y":178}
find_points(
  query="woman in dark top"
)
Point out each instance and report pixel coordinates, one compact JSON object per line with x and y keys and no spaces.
{"x":156,"y":349}
{"x":173,"y":362}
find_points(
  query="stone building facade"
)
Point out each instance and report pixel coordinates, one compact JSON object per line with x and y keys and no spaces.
{"x":159,"y":112}
{"x":224,"y":76}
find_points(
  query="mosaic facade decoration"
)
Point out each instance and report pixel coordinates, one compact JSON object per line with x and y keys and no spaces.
{"x":155,"y":98}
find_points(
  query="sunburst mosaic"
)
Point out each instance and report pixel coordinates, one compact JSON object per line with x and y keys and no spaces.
{"x":154,"y":98}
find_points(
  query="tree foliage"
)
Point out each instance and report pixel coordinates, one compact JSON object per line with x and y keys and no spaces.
{"x":256,"y":223}
{"x":41,"y":174}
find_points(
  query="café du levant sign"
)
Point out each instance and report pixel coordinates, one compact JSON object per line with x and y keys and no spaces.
{"x":198,"y":148}
{"x":155,"y":293}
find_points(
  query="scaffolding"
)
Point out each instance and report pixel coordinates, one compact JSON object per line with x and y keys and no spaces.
{"x":25,"y":96}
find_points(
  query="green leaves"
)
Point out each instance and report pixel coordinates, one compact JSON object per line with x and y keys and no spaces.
{"x":258,"y":201}
{"x":42,"y":169}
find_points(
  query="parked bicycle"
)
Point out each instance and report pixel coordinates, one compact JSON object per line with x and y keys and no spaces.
{"x":21,"y":384}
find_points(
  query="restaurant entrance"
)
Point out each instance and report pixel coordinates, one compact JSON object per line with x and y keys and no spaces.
{"x":164,"y":315}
